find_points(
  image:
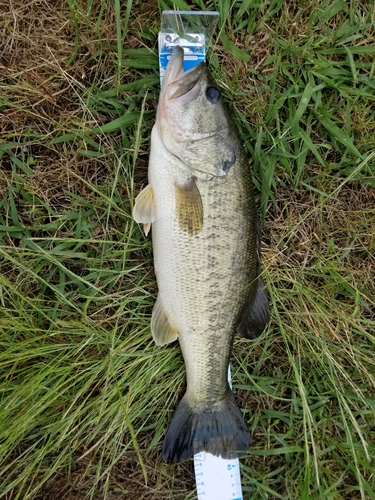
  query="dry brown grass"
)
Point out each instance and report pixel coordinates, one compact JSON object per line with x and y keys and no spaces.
{"x":44,"y":90}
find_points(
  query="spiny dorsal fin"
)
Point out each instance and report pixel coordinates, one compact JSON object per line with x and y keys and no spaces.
{"x":189,"y":207}
{"x":144,"y":210}
{"x":162,"y":331}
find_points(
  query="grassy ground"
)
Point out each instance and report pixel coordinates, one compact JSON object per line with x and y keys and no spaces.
{"x":85,"y":395}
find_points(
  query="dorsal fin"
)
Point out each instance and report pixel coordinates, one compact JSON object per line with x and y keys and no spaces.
{"x":257,"y":313}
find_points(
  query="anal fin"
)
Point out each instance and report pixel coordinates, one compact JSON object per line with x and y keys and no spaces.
{"x":144,"y":210}
{"x":257,"y":313}
{"x":162,"y":331}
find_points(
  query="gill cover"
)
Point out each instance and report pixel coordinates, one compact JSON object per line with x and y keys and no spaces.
{"x":193,"y":122}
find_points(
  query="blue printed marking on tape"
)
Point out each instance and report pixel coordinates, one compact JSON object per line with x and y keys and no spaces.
{"x":194,"y":52}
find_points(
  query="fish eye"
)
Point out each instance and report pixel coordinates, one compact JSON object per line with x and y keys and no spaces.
{"x":213,"y":94}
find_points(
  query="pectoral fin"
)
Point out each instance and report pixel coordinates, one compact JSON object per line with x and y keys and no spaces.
{"x":189,"y":207}
{"x":162,"y":331}
{"x":144,"y":210}
{"x":257,"y":314}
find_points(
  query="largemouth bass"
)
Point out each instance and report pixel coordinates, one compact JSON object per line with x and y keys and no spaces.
{"x":205,"y":236}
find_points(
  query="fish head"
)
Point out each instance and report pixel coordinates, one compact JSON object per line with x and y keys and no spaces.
{"x":193,"y":122}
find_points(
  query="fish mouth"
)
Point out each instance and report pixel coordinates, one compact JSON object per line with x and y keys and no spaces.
{"x":179,"y":83}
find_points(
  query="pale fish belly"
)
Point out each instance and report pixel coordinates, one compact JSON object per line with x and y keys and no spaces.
{"x":206,"y":254}
{"x":205,"y":279}
{"x":206,"y":263}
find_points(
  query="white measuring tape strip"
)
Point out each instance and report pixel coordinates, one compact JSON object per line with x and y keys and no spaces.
{"x":216,"y":478}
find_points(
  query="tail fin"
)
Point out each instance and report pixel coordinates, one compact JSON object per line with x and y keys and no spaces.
{"x":218,"y":429}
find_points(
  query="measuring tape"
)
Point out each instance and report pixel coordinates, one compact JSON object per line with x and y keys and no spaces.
{"x":216,"y":478}
{"x":190,"y":30}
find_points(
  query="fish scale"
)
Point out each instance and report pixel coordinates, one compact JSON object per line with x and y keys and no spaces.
{"x":205,"y":245}
{"x":215,"y":307}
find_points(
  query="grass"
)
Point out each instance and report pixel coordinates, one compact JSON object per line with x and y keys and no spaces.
{"x":85,"y":395}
